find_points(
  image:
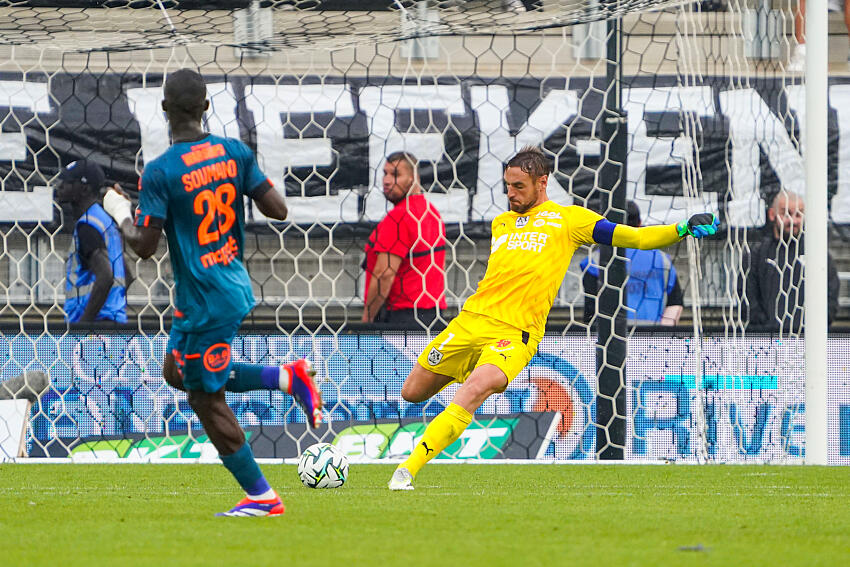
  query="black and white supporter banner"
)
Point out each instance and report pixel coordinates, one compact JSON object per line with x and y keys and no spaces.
{"x":322,"y":140}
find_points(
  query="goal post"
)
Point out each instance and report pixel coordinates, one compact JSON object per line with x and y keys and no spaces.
{"x":817,"y":223}
{"x":679,"y":107}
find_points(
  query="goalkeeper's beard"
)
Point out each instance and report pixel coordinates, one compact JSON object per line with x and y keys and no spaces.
{"x":522,"y":207}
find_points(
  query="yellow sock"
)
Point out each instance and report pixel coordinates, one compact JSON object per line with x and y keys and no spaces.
{"x":440,"y":433}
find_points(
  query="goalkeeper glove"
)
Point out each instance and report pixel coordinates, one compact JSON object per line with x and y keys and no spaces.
{"x":703,"y":224}
{"x":117,"y":205}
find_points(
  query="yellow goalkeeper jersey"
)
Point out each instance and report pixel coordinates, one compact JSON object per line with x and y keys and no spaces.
{"x":529,"y":257}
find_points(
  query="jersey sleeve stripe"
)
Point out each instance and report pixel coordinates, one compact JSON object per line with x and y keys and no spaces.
{"x":148,"y":220}
{"x":603,"y":231}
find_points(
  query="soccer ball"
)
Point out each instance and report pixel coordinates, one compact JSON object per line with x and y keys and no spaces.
{"x":323,"y":466}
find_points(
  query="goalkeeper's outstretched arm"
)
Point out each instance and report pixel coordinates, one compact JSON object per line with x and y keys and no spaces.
{"x":651,"y":237}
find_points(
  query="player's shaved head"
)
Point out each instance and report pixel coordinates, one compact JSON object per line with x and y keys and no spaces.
{"x":185,"y":93}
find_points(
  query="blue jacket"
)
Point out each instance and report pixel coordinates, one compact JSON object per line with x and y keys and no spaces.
{"x":652,"y":278}
{"x":79,"y":281}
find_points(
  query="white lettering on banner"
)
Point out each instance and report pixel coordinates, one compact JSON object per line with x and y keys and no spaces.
{"x":275,"y":153}
{"x":648,"y":151}
{"x":20,"y":94}
{"x":474,"y":440}
{"x":221,"y":118}
{"x":491,"y":105}
{"x":368,"y":445}
{"x":403,"y":444}
{"x":146,"y":106}
{"x":380,"y":105}
{"x":753,"y":127}
{"x":839,"y":99}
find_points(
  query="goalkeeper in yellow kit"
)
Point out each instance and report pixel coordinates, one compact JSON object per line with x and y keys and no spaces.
{"x":496,"y":334}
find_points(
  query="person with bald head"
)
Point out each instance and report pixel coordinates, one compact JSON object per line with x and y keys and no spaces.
{"x":772,"y":287}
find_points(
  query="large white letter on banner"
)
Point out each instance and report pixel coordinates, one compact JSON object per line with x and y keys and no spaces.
{"x":496,"y":146}
{"x":839,"y":100}
{"x":380,"y":105}
{"x":752,"y":126}
{"x":275,"y":153}
{"x":146,"y":107}
{"x":20,"y":94}
{"x":648,"y":151}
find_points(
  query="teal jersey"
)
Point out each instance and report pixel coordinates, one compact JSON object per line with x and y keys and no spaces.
{"x":194,"y":191}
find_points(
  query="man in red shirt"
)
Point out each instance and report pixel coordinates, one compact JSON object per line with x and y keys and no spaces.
{"x":406,"y":253}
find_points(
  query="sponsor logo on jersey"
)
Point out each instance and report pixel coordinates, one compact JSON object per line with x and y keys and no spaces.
{"x":548,"y":214}
{"x":532,"y":241}
{"x":434,"y":357}
{"x":224,"y":255}
{"x":498,"y":242}
{"x":217,"y":357}
{"x":538,"y":223}
{"x":521,"y":222}
{"x":203,"y":152}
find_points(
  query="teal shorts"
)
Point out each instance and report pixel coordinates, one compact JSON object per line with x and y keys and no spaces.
{"x":203,"y":358}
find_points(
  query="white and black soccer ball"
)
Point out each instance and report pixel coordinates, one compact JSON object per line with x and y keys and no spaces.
{"x":323,"y":466}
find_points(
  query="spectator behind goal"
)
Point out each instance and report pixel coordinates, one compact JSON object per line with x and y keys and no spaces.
{"x":406,"y":253}
{"x":97,"y":274}
{"x":654,"y":296}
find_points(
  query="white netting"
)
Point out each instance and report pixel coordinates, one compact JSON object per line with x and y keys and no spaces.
{"x":323,"y":95}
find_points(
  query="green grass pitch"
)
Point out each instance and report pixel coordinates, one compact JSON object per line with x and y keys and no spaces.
{"x":459,"y":515}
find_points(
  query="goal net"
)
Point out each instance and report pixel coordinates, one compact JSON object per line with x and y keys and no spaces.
{"x":323,"y":91}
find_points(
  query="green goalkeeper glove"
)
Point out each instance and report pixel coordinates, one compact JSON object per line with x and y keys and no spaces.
{"x":702,"y":224}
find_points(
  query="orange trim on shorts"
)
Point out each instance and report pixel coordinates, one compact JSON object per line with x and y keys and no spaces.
{"x":193,"y":356}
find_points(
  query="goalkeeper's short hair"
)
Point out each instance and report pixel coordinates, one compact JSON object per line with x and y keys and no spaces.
{"x":532,"y":161}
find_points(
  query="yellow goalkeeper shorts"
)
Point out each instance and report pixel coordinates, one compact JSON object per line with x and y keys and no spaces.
{"x":472,"y":340}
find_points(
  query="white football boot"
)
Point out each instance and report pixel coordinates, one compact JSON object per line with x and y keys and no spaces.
{"x":401,"y":480}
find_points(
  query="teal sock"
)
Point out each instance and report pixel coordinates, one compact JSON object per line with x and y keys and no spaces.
{"x":247,"y":377}
{"x":246,"y":471}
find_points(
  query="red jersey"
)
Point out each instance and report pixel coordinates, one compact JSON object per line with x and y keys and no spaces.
{"x":414,"y":231}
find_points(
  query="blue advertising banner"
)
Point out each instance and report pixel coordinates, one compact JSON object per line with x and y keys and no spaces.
{"x":110,"y":386}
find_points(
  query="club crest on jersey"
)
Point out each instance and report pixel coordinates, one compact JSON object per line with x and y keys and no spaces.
{"x":521,"y":222}
{"x":503,"y":343}
{"x":434,"y":357}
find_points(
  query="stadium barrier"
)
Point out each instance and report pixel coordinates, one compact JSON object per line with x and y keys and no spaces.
{"x":108,"y":401}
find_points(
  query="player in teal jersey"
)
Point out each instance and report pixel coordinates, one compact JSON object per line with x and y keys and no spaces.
{"x":194,"y":191}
